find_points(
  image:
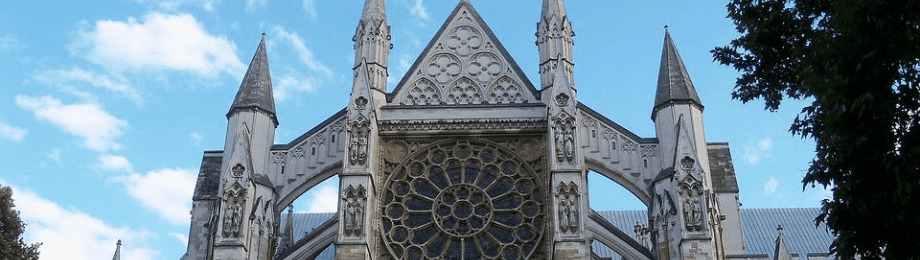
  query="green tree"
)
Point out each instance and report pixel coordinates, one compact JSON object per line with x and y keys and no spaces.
{"x":857,"y":61}
{"x":11,"y":228}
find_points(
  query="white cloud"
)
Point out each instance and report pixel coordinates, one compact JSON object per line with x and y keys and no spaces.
{"x":181,"y":237}
{"x":158,"y":42}
{"x":325,"y":199}
{"x":417,"y":8}
{"x":64,"y":78}
{"x":55,"y":155}
{"x":113,"y":163}
{"x":99,"y":129}
{"x":12,"y":133}
{"x":309,"y":6}
{"x":252,"y":4}
{"x":71,"y":234}
{"x":754,"y":153}
{"x":9,"y":42}
{"x":295,"y":80}
{"x":196,"y":138}
{"x":769,"y":187}
{"x":207,"y":5}
{"x":168,"y":192}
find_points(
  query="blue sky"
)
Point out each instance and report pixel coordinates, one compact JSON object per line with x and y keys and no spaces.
{"x":107,"y":106}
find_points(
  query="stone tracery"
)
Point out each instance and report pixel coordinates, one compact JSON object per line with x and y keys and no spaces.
{"x":462,"y":199}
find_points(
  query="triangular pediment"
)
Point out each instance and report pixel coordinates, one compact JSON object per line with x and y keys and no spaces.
{"x":464,"y":64}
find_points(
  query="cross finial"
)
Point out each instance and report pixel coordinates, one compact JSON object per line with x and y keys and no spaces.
{"x":665,"y":28}
{"x":119,"y":243}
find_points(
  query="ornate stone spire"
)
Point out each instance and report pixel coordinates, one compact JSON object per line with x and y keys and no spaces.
{"x":372,"y":39}
{"x":256,"y":88}
{"x":555,"y":41}
{"x":117,"y":251}
{"x":674,"y":85}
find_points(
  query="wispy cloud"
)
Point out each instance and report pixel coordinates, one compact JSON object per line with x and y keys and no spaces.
{"x":99,"y":130}
{"x":207,"y":5}
{"x":309,"y":6}
{"x":196,"y":138}
{"x":117,"y":163}
{"x":769,"y":187}
{"x":71,"y":234}
{"x":12,"y":133}
{"x":69,"y":79}
{"x":417,"y":8}
{"x":168,"y":192}
{"x":754,"y":153}
{"x":54,"y":155}
{"x":252,"y":4}
{"x":9,"y":42}
{"x":170,"y":42}
{"x":297,"y":79}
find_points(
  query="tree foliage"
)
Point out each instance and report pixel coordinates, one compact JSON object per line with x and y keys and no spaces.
{"x":858,"y":62}
{"x":11,"y":228}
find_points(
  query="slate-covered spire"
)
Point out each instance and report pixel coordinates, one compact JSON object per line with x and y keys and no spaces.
{"x":374,"y":10}
{"x":674,"y":85}
{"x":553,"y":7}
{"x":117,"y":255}
{"x":256,"y":88}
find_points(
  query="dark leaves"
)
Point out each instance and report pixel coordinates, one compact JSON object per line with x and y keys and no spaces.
{"x":858,"y":61}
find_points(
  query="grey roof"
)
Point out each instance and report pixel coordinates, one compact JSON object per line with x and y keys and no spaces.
{"x":799,"y":230}
{"x":801,"y":235}
{"x":721,"y":168}
{"x":256,"y":88}
{"x":208,"y":176}
{"x":674,"y":83}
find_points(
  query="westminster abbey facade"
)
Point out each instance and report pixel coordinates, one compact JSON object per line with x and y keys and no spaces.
{"x":467,"y":158}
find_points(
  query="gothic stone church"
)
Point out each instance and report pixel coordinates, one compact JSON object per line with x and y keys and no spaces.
{"x":467,"y":158}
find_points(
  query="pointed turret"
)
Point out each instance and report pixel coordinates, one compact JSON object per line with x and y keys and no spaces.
{"x":782,"y":250}
{"x":256,"y":88}
{"x":674,"y":85}
{"x":555,"y":41}
{"x":372,"y":43}
{"x":117,"y":251}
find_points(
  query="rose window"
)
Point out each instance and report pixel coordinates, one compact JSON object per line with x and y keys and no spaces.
{"x":462,"y":200}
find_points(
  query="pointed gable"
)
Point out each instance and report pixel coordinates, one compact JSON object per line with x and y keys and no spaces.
{"x":464,"y":64}
{"x":674,"y":83}
{"x":256,"y":88}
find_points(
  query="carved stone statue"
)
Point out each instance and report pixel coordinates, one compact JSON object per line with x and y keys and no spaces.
{"x":573,"y":212}
{"x":560,"y":143}
{"x":563,"y":215}
{"x":359,"y":215}
{"x":349,"y":215}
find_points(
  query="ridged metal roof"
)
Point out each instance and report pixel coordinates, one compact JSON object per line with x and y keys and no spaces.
{"x":802,"y":237}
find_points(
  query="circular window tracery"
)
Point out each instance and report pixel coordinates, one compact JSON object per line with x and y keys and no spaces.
{"x":467,"y":199}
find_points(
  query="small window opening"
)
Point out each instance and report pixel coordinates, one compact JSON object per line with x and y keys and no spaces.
{"x":313,"y":151}
{"x":282,"y":169}
{"x":645,"y":161}
{"x":333,"y":139}
{"x":593,"y":133}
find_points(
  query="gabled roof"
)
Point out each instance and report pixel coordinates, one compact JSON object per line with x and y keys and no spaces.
{"x":674,"y":83}
{"x":464,"y":64}
{"x":256,"y":88}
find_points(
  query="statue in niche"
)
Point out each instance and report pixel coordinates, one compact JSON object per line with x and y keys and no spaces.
{"x":358,"y":146}
{"x":573,"y":212}
{"x":564,"y":138}
{"x":233,"y":211}
{"x":349,"y":215}
{"x":693,"y":208}
{"x":563,"y":215}
{"x":354,"y":210}
{"x":568,"y":207}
